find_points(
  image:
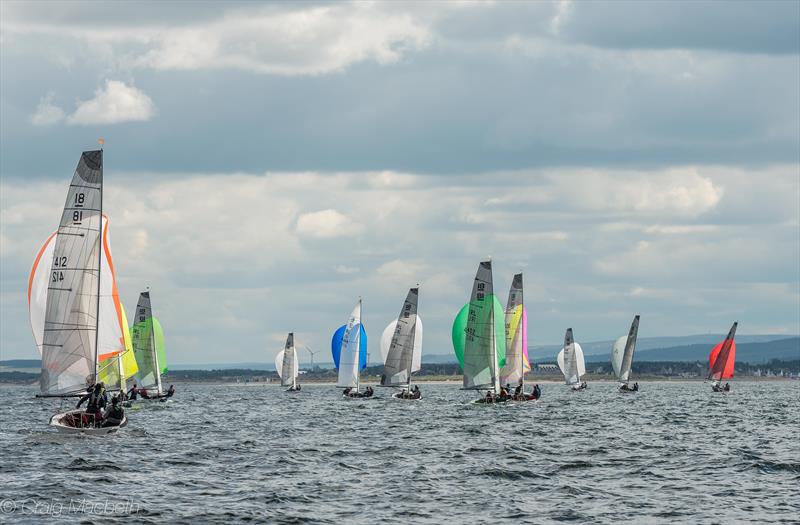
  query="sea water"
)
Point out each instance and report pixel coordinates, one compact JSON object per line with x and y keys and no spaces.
{"x":673,"y":452}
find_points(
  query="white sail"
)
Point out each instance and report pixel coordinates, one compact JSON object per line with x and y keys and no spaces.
{"x":480,"y":341}
{"x":622,"y":352}
{"x":515,"y":367}
{"x":401,"y":344}
{"x":286,"y":363}
{"x":570,"y":360}
{"x":70,"y":331}
{"x":349,"y":356}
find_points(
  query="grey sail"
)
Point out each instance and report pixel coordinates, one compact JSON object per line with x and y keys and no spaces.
{"x":399,"y":361}
{"x":514,"y":368}
{"x":630,"y":347}
{"x":480,"y":345}
{"x":69,"y":347}
{"x":571,"y":373}
{"x":144,"y":344}
{"x":288,"y":377}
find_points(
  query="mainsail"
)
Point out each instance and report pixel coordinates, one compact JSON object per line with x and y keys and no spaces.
{"x":570,"y":360}
{"x":77,"y":320}
{"x":480,"y":345}
{"x":401,"y":344}
{"x":516,"y":330}
{"x":622,"y":352}
{"x":722,"y":357}
{"x":148,"y":345}
{"x":349,"y":348}
{"x":287,"y":364}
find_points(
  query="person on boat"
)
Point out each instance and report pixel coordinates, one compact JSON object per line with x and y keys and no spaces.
{"x":537,"y":392}
{"x":518,"y":392}
{"x":114,"y":415}
{"x":346,"y":391}
{"x":636,"y":387}
{"x":133,"y":393}
{"x":170,"y":391}
{"x":416,"y":394}
{"x":96,"y":401}
{"x":727,"y":387}
{"x":503,"y":393}
{"x":489,"y":397}
{"x":368,"y":392}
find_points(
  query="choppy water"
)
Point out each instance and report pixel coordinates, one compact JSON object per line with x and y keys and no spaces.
{"x":674,"y":452}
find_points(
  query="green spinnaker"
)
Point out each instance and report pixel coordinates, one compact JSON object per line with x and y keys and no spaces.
{"x":459,"y":336}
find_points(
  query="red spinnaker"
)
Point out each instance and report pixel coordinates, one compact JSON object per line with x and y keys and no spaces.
{"x":722,"y":358}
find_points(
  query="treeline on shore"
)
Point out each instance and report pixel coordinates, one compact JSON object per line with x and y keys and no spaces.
{"x":452,"y":371}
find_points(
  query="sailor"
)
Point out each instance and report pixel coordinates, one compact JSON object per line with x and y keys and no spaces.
{"x":727,"y":387}
{"x":346,"y":391}
{"x":517,"y":391}
{"x":489,"y":397}
{"x":368,"y":392}
{"x":416,"y":393}
{"x":114,"y":415}
{"x":133,"y":392}
{"x":171,"y":391}
{"x":503,"y":393}
{"x":537,"y":392}
{"x":636,"y":387}
{"x":96,"y":401}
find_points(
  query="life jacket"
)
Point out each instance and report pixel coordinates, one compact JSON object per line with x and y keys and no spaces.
{"x":94,"y":401}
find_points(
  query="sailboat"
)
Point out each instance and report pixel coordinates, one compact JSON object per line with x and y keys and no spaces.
{"x":288,"y":366}
{"x":349,"y":349}
{"x":516,"y":333}
{"x":622,"y":357}
{"x":477,"y":345}
{"x":78,"y":322}
{"x":148,"y":347}
{"x":570,"y":361}
{"x":721,"y":361}
{"x":401,"y":347}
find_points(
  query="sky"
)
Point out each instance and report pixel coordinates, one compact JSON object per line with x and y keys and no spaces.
{"x":267,"y":164}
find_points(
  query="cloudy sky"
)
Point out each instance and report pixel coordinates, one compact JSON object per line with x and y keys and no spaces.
{"x":266,"y":164}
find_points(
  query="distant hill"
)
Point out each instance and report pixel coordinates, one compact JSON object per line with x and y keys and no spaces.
{"x":755,"y":353}
{"x":749,"y":349}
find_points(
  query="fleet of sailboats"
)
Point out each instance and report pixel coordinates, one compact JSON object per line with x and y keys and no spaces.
{"x":81,"y":330}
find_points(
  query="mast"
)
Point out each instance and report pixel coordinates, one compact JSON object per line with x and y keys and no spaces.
{"x":493,"y":336}
{"x":522,"y":331}
{"x":358,"y":348}
{"x":153,"y":339}
{"x":99,"y":275}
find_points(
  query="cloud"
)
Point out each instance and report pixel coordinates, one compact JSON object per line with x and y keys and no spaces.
{"x":47,"y":113}
{"x":114,"y":103}
{"x":236,"y":249}
{"x":326,"y":224}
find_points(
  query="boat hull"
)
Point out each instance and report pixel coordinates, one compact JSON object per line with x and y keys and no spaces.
{"x":399,"y":395}
{"x":60,"y":422}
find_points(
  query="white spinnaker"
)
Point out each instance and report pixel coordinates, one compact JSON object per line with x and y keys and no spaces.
{"x":111,"y":338}
{"x":38,"y":282}
{"x":386,"y":343}
{"x":71,"y":339}
{"x":349,"y":355}
{"x":617,"y":353}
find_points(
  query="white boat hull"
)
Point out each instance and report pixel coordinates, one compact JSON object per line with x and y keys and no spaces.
{"x":58,"y":421}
